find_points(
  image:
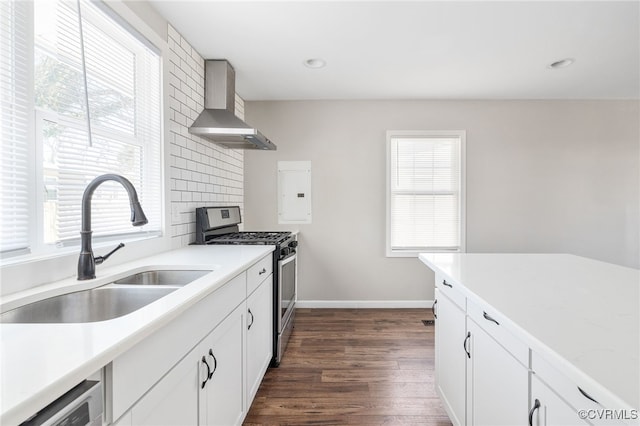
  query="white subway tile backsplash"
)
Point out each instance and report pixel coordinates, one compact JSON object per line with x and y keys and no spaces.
{"x":202,"y":173}
{"x":180,"y":162}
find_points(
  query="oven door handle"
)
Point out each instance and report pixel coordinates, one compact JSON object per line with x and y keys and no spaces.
{"x":288,"y":258}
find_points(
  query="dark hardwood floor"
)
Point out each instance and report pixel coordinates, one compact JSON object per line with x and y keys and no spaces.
{"x":353,"y":367}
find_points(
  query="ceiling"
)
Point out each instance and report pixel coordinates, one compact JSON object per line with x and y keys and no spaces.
{"x":418,"y":49}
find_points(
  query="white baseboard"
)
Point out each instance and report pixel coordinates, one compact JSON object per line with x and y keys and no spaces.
{"x":364,"y":304}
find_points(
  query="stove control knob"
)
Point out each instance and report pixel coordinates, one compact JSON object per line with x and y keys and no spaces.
{"x":293,"y":244}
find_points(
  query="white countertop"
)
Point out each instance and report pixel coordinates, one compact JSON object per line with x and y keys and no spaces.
{"x":581,"y":314}
{"x":39,"y":362}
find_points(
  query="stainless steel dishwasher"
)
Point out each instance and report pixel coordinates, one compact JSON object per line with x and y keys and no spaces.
{"x":81,"y":406}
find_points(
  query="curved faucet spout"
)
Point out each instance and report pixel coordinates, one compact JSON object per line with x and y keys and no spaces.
{"x":87,"y":262}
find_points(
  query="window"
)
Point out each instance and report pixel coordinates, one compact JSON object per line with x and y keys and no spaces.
{"x":81,"y":97}
{"x":425,"y":196}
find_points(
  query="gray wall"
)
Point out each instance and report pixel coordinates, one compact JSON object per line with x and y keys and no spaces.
{"x":542,"y":176}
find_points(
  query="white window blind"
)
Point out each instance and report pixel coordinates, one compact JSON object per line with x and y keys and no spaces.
{"x":123,"y":82}
{"x":15,"y":109}
{"x":425,"y":192}
{"x":124,"y":99}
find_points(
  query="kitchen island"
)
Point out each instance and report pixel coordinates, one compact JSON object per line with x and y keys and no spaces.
{"x":568,"y":322}
{"x":40,"y":362}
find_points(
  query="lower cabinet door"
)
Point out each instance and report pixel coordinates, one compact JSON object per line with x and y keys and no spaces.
{"x":498,"y":384}
{"x":451,"y":358}
{"x":173,"y":400}
{"x":550,"y":409}
{"x":221,"y":399}
{"x":259,"y":336}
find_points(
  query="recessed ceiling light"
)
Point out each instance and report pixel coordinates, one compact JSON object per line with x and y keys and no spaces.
{"x":315,"y":63}
{"x":563,"y":63}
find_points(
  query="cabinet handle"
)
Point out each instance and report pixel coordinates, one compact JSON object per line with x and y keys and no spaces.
{"x":586,"y":395}
{"x":262,"y":271}
{"x":444,"y":282}
{"x":215,"y":363}
{"x":536,"y":405}
{"x":489,"y":318}
{"x":250,"y":313}
{"x":204,"y":360}
{"x":465,"y":344}
{"x":433,"y":308}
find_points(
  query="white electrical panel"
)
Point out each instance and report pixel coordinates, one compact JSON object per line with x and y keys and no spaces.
{"x":294,"y":192}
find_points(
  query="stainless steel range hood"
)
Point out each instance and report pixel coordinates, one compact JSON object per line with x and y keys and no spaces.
{"x":218,"y":121}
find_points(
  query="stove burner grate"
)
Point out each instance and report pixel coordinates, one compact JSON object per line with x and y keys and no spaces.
{"x":250,"y":238}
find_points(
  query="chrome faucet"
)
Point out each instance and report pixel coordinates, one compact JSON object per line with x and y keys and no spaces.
{"x":87,"y":263}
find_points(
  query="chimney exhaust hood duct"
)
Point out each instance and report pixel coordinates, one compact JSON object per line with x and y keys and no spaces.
{"x":218,"y":121}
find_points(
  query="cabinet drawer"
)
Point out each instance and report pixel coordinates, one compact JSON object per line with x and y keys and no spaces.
{"x":451,"y":290}
{"x":492,"y":323}
{"x":258,"y":272}
{"x":569,"y":391}
{"x":551,"y":409}
{"x":133,"y":373}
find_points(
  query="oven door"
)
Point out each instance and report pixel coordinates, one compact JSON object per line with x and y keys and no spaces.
{"x":286,"y":288}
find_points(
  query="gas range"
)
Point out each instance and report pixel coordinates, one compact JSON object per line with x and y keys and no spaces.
{"x":219,"y":225}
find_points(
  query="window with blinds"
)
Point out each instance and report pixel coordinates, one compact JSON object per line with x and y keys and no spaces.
{"x":16,"y":108}
{"x":91,"y":87}
{"x":425,"y":192}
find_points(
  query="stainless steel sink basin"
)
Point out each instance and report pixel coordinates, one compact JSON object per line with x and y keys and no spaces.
{"x":98,"y":304}
{"x":160,"y":277}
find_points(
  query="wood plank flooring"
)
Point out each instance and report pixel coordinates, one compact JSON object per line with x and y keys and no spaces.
{"x":353,"y":367}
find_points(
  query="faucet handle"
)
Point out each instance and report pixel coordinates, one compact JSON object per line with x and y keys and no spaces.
{"x":101,"y":259}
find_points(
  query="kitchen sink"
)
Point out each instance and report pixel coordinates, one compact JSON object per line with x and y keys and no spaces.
{"x":163,"y":277}
{"x":98,"y":304}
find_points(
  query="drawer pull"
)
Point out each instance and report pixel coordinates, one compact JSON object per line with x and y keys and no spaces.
{"x":536,"y":405}
{"x":586,"y":395}
{"x":464,"y":344}
{"x":433,"y":308}
{"x":489,"y":318}
{"x":444,"y":282}
{"x":262,"y":271}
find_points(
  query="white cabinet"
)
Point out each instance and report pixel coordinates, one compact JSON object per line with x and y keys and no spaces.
{"x":511,"y":372}
{"x":548,"y":409}
{"x":450,"y":357}
{"x":497,"y":370}
{"x":259,"y":335}
{"x":497,"y":382}
{"x":481,"y":371}
{"x":487,"y":376}
{"x":173,"y":401}
{"x":133,"y":373}
{"x":228,"y":342}
{"x":205,"y":388}
{"x":259,"y":272}
{"x":562,"y":399}
{"x":221,"y":396}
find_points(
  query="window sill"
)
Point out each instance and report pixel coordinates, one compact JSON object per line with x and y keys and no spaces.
{"x":73,"y":249}
{"x":28,"y":271}
{"x":416,"y":253}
